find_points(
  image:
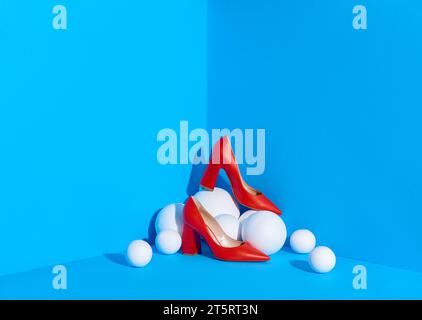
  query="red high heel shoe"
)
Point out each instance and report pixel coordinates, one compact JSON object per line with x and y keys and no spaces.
{"x":223,"y":158}
{"x":197,"y":221}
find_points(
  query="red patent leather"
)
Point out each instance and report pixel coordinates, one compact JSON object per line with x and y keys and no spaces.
{"x":195,"y":225}
{"x":223,"y":158}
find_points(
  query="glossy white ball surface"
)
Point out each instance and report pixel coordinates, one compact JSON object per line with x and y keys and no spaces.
{"x":139,"y":253}
{"x":322,"y":259}
{"x":218,"y":202}
{"x":229,"y":224}
{"x":245,"y":215}
{"x":302,"y":241}
{"x":170,"y":218}
{"x":168,"y":241}
{"x":265,"y":231}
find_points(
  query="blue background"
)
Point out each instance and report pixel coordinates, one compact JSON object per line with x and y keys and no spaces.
{"x":342,"y":110}
{"x":80,"y":110}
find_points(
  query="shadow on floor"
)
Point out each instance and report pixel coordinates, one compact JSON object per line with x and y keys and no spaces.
{"x":301,"y":265}
{"x":117,"y":258}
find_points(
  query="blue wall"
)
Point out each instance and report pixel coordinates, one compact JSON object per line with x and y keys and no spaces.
{"x":342,"y":113}
{"x":79,"y":114}
{"x":80,"y":110}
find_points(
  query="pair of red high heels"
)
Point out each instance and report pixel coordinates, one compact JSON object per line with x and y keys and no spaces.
{"x":197,"y":221}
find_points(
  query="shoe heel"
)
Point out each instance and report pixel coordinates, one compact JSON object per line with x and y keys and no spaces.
{"x":210,"y":176}
{"x":191,"y":244}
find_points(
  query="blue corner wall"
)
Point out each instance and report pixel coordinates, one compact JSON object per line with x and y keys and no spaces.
{"x":80,"y":110}
{"x":342,"y":113}
{"x":79,"y":113}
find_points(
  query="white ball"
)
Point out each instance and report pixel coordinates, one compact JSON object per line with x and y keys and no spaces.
{"x":302,"y":241}
{"x":322,"y":259}
{"x":217,"y":202}
{"x":265,"y":231}
{"x":168,"y":241}
{"x":139,"y":253}
{"x":229,"y":224}
{"x":245,"y":215}
{"x":170,"y":218}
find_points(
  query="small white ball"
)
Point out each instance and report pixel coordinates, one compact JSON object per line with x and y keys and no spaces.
{"x":217,"y":202}
{"x":302,"y":241}
{"x":170,"y":218}
{"x":229,"y":224}
{"x":139,"y":253}
{"x":245,"y":215}
{"x":168,"y":241}
{"x":322,"y":259}
{"x":265,"y":231}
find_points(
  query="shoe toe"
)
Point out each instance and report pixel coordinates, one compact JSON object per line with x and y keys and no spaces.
{"x":254,"y":254}
{"x":269,"y":206}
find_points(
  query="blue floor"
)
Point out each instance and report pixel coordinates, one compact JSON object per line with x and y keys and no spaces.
{"x":285,"y":276}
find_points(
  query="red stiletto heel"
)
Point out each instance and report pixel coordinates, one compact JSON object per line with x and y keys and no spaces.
{"x":197,"y":221}
{"x":223,"y":158}
{"x":191,"y":244}
{"x":210,"y":176}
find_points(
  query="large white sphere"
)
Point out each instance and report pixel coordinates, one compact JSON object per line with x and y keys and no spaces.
{"x":245,"y":215}
{"x":139,"y":253}
{"x":170,"y":218}
{"x":322,"y":259}
{"x":168,"y":241}
{"x":302,"y":241}
{"x":217,"y":202}
{"x":230,"y":225}
{"x":265,"y":231}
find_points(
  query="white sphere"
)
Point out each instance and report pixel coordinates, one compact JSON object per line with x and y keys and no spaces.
{"x":139,"y":253}
{"x":168,"y":241}
{"x":322,"y":259}
{"x":265,"y":231}
{"x":245,"y":215}
{"x":229,"y":224}
{"x":217,"y":202}
{"x":302,"y":241}
{"x":170,"y":218}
